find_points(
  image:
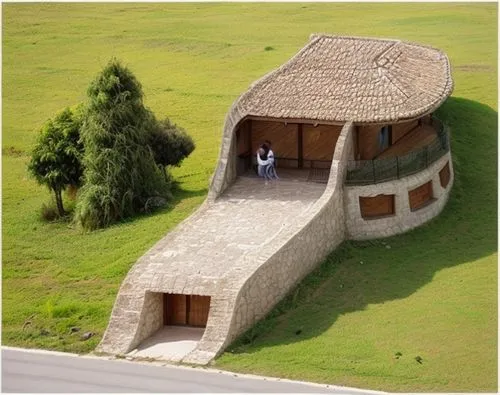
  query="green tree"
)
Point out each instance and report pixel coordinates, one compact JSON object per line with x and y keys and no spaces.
{"x":121,"y":176}
{"x":56,"y":158}
{"x":170,"y":144}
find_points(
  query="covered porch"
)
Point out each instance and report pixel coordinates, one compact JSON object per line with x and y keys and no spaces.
{"x":303,"y":149}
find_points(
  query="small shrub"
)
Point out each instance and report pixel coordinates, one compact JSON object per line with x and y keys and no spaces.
{"x":268,"y":48}
{"x":56,"y":158}
{"x":49,"y":212}
{"x":170,"y":144}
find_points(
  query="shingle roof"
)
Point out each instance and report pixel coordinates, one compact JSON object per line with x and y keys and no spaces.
{"x":364,"y":80}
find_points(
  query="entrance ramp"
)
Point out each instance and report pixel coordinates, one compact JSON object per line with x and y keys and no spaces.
{"x":245,"y":249}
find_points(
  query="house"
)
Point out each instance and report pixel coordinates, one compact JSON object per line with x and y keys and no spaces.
{"x":361,"y":156}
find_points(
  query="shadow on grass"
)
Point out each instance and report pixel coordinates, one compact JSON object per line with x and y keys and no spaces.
{"x":465,"y":231}
{"x":178,"y":195}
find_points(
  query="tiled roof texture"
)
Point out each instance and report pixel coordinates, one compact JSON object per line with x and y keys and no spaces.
{"x":364,"y":80}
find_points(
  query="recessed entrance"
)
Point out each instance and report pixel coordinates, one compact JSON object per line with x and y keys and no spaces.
{"x":296,"y":145}
{"x":191,"y":310}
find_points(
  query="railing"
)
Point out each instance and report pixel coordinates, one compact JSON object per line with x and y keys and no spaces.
{"x":364,"y":172}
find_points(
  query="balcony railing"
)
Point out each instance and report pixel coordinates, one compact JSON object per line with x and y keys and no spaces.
{"x":364,"y":172}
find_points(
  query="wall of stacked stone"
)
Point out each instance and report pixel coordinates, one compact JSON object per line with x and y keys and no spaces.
{"x":138,"y":311}
{"x":125,"y":316}
{"x":151,"y":317}
{"x":404,"y":219}
{"x":296,"y":252}
{"x":225,"y":173}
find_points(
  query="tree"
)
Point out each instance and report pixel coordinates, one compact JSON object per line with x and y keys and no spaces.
{"x":170,"y":144}
{"x":121,"y":176}
{"x":56,"y":158}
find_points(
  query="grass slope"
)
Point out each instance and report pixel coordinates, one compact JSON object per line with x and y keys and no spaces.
{"x":433,"y":294}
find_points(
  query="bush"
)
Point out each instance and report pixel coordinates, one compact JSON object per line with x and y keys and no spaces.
{"x":56,"y":158}
{"x":170,"y":144}
{"x":121,"y":175}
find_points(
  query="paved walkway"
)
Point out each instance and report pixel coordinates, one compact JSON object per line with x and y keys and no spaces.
{"x":248,"y":215}
{"x":222,"y":243}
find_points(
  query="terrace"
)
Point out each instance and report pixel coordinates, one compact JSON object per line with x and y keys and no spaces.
{"x":414,"y":152}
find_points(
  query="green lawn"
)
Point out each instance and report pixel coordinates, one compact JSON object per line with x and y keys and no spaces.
{"x":433,"y":294}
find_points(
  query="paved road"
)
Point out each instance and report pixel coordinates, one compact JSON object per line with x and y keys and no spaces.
{"x":32,"y":371}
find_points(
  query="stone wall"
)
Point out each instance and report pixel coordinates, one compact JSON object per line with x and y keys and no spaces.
{"x":138,"y":309}
{"x":404,"y":219}
{"x":294,"y":253}
{"x":151,"y":318}
{"x":226,"y":170}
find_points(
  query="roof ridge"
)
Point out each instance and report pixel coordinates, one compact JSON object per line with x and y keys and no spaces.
{"x":318,"y":36}
{"x":328,"y":35}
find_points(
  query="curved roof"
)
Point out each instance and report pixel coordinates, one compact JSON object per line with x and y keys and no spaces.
{"x":364,"y":80}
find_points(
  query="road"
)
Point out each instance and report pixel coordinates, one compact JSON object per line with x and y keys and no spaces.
{"x":42,"y":371}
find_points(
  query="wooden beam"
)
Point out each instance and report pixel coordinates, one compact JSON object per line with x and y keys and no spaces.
{"x":295,"y":120}
{"x":249,"y":127}
{"x":188,"y":308}
{"x":300,"y":146}
{"x":166,"y":310}
{"x":356,"y":153}
{"x":338,"y":123}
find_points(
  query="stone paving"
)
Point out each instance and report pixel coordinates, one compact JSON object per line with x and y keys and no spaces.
{"x":211,"y":253}
{"x":249,"y":214}
{"x":170,"y":343}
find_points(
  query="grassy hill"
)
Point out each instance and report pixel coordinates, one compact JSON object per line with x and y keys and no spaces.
{"x":433,"y":294}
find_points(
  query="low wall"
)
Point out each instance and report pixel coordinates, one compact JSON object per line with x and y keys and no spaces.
{"x":226,"y":170}
{"x":404,"y":219}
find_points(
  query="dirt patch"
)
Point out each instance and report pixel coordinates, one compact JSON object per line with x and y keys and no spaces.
{"x":12,"y":151}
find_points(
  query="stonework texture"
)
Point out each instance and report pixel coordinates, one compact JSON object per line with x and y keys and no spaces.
{"x":245,"y":249}
{"x":363,"y":80}
{"x":249,"y":243}
{"x":404,"y":219}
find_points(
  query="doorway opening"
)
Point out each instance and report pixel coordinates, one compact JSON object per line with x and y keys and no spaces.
{"x":187,"y":310}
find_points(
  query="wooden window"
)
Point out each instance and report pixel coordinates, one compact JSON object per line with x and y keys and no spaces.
{"x":444,"y":175}
{"x":375,"y":207}
{"x":189,"y":310}
{"x":421,"y":196}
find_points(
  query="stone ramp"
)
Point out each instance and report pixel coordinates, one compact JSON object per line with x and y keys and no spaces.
{"x":196,"y":257}
{"x":246,"y":216}
{"x":245,"y":247}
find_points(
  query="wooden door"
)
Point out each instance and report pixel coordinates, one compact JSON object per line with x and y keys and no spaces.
{"x":186,"y":309}
{"x":175,"y":309}
{"x":198,"y":310}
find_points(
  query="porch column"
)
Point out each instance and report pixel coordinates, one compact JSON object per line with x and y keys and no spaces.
{"x":300,"y":144}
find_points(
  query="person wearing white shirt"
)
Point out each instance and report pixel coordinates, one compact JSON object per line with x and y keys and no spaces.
{"x":266,"y":166}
